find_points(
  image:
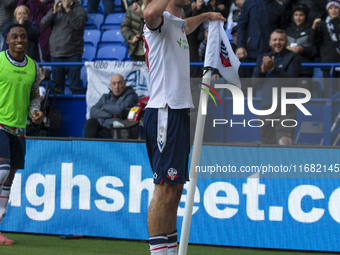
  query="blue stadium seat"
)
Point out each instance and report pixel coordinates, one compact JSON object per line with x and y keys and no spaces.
{"x":118,"y":6}
{"x":113,"y":21}
{"x":89,"y":53}
{"x":95,"y":20}
{"x":84,"y":3}
{"x":111,"y":52}
{"x":92,"y":37}
{"x":113,"y":36}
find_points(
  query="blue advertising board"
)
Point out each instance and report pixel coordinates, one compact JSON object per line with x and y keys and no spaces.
{"x":98,"y":188}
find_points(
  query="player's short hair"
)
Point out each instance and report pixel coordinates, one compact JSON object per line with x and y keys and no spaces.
{"x":12,"y":26}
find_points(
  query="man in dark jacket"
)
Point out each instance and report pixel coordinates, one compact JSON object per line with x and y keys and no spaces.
{"x":327,"y":34}
{"x":258,"y":18}
{"x":279,"y":63}
{"x":67,"y":19}
{"x":110,"y":108}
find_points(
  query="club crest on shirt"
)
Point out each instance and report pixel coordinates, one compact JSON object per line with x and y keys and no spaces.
{"x":172,"y":174}
{"x":224,"y":55}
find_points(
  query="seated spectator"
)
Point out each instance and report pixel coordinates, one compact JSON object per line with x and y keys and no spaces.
{"x":6,"y":15}
{"x":21,"y":16}
{"x":326,"y":37}
{"x":278,"y":63}
{"x":67,"y":19}
{"x":132,"y":29}
{"x":300,"y":38}
{"x":109,"y":108}
{"x":39,"y":9}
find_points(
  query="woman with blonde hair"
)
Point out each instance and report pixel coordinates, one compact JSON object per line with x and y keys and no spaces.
{"x":21,"y":16}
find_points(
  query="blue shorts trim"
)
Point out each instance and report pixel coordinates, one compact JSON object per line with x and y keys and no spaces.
{"x":14,"y":148}
{"x":171,"y":164}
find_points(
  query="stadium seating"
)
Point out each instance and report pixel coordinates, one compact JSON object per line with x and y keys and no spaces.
{"x":111,"y":52}
{"x":95,"y":20}
{"x":113,"y":36}
{"x":118,"y":6}
{"x":89,"y":53}
{"x":92,"y":37}
{"x":314,"y":128}
{"x":113,"y":21}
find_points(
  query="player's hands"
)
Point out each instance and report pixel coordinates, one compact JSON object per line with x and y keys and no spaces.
{"x":241,"y":53}
{"x":216,"y":16}
{"x":37,"y":116}
{"x":57,"y":7}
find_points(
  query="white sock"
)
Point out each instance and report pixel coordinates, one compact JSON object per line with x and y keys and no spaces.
{"x":158,"y":245}
{"x":172,"y":243}
{"x":4,"y":197}
{"x":4,"y":171}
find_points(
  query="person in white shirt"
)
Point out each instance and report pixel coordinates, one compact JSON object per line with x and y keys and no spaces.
{"x":166,"y":119}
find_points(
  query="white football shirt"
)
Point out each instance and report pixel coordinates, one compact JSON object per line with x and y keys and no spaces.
{"x":167,"y":57}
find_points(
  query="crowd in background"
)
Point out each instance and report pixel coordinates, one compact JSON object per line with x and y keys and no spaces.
{"x":56,"y":30}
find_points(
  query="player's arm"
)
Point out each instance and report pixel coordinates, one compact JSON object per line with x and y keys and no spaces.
{"x":153,"y":13}
{"x":193,"y":22}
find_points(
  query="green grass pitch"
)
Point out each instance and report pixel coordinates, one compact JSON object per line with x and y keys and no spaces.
{"x":26,"y":244}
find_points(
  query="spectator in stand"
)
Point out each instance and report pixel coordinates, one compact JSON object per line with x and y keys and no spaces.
{"x":234,"y":36}
{"x":132,"y":29}
{"x":194,"y":39}
{"x":6,"y":15}
{"x":67,"y":19}
{"x":326,"y":37}
{"x":300,"y":39}
{"x":109,"y":6}
{"x":110,"y":108}
{"x":221,"y":6}
{"x":21,"y":16}
{"x":276,"y":65}
{"x":258,"y":18}
{"x":316,"y":8}
{"x":233,"y":15}
{"x":39,"y":9}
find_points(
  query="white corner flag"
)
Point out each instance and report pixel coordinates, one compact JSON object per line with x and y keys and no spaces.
{"x":220,"y":55}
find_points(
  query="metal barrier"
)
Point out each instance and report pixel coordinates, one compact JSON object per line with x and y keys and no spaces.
{"x":330,"y":105}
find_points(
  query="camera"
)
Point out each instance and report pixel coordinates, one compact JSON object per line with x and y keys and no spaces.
{"x":47,"y":73}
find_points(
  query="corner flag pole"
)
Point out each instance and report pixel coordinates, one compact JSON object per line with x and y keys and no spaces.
{"x":195,"y":159}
